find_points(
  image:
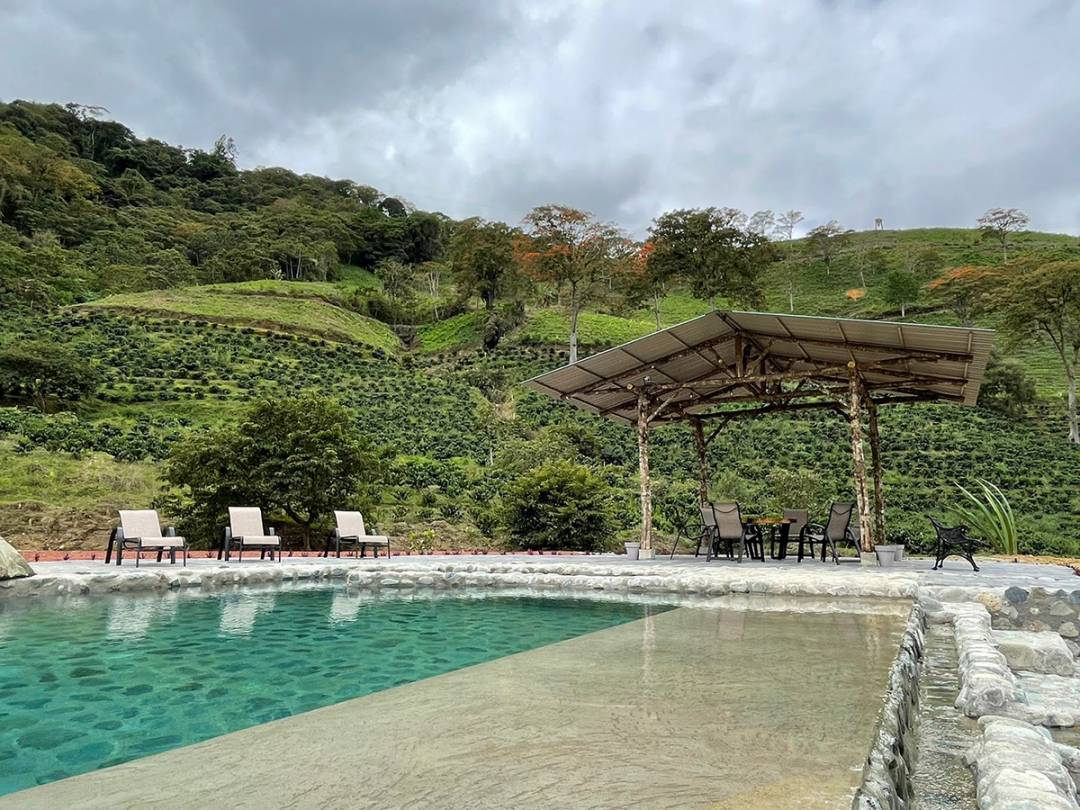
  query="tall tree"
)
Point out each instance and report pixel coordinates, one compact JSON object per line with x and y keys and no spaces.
{"x":648,"y":280}
{"x":901,"y":289}
{"x":786,"y":222}
{"x":762,"y":222}
{"x":397,"y":279}
{"x":1042,"y":299}
{"x":825,"y":241}
{"x":708,"y":248}
{"x":998,"y":223}
{"x":482,"y":259}
{"x":573,"y":249}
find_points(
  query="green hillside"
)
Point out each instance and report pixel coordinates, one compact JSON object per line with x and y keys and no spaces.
{"x":310,"y":309}
{"x":189,"y":289}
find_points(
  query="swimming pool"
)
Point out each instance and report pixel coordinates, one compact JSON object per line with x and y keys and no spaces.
{"x":92,"y":682}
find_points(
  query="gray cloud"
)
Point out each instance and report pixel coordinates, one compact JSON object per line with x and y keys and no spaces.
{"x":925,"y":113}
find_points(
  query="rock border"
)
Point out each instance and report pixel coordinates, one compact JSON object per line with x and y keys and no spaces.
{"x":554,"y":574}
{"x":886,"y":780}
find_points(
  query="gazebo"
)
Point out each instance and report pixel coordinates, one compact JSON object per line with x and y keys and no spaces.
{"x":728,"y":365}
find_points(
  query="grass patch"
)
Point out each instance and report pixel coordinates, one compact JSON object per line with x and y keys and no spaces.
{"x":550,"y":327}
{"x":277,"y":313}
{"x":459,"y":332}
{"x":82,"y":481}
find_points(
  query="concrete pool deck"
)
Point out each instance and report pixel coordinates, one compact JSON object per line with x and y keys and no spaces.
{"x":704,"y":707}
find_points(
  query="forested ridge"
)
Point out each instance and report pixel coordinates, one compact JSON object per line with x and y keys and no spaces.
{"x":150,"y":293}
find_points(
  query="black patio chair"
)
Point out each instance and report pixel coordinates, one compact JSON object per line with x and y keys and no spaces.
{"x":793,"y":532}
{"x":740,"y":539}
{"x":954,"y":541}
{"x":837,"y":529}
{"x":686,"y":528}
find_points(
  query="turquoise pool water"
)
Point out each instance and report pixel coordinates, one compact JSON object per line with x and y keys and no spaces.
{"x":89,"y":683}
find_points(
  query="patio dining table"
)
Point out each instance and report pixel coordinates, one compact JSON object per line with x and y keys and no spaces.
{"x":774,"y":524}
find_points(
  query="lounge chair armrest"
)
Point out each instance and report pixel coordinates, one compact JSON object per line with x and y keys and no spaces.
{"x":228,"y":533}
{"x":335,"y":534}
{"x":118,"y":533}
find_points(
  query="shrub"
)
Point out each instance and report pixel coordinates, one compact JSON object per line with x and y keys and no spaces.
{"x":1007,"y":388}
{"x":559,"y":505}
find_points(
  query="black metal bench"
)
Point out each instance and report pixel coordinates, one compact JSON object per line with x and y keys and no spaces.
{"x":954,"y":541}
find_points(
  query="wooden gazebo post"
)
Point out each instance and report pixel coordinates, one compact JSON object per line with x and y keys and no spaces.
{"x":703,"y":464}
{"x":858,"y":458}
{"x":875,"y":464}
{"x":646,"y":552}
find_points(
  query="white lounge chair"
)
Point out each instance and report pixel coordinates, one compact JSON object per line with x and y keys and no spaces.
{"x":246,"y":530}
{"x":350,"y":531}
{"x":140,"y":529}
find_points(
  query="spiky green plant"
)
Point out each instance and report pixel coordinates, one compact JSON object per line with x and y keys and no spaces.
{"x":989,"y":516}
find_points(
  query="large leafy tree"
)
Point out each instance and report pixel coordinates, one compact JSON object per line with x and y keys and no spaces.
{"x":962,"y":289}
{"x":710,"y":249}
{"x":482,"y":258}
{"x":573,"y":250}
{"x":302,"y":456}
{"x":1038,"y":299}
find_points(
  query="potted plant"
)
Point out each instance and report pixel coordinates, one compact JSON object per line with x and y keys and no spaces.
{"x":885,"y":553}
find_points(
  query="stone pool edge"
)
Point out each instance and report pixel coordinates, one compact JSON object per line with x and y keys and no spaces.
{"x":886,"y":778}
{"x":441,"y":575}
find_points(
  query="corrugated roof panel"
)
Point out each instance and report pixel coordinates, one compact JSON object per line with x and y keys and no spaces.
{"x":686,"y":368}
{"x":701,"y":329}
{"x":610,"y":362}
{"x":654,"y":347}
{"x":826,"y":341}
{"x":810,"y":328}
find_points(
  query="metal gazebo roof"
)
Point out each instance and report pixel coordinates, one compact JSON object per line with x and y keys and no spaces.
{"x":726,"y":358}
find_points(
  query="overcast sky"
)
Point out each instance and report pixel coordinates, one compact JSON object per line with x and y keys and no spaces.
{"x":923,"y":112}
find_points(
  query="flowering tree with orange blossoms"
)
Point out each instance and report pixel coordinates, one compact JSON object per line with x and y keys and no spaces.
{"x":646,"y":280}
{"x":572,"y":249}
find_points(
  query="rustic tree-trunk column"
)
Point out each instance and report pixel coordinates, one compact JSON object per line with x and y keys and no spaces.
{"x":875,"y":465}
{"x":643,"y":469}
{"x":703,"y":463}
{"x":858,"y":458}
